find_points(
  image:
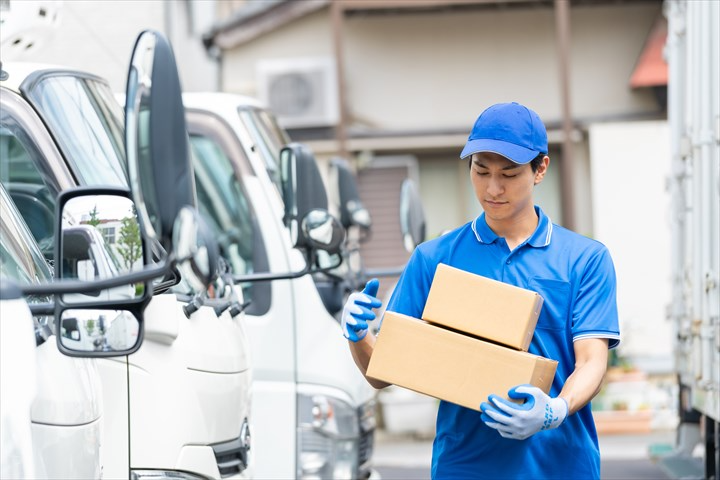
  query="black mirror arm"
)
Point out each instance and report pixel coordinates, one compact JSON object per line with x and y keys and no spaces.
{"x":383,"y":272}
{"x":62,"y":286}
{"x":269,"y":276}
{"x":47,"y":308}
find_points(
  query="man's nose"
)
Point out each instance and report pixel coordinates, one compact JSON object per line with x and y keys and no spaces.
{"x":495,"y":186}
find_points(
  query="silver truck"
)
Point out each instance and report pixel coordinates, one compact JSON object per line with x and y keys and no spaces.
{"x":693,"y":54}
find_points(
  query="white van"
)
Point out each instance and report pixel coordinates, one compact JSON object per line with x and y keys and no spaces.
{"x":313,"y":413}
{"x":179,"y":407}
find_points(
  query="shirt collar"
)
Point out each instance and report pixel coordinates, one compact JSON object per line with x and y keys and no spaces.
{"x":540,"y":238}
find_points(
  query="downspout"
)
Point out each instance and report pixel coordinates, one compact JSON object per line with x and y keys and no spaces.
{"x":338,"y":18}
{"x":567,"y":166}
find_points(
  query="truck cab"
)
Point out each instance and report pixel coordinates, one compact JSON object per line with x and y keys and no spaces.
{"x":313,"y":412}
{"x":180,"y":406}
{"x":45,"y":395}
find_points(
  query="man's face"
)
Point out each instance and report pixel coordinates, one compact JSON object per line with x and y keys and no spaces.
{"x":504,"y":188}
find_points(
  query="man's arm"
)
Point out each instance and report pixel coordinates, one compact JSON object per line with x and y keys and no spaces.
{"x":539,"y":411}
{"x":591,"y":356}
{"x":361,"y":353}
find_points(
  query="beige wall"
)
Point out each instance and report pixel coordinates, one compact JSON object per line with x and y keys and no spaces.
{"x":437,"y":71}
{"x":309,"y":36}
{"x":430,"y":71}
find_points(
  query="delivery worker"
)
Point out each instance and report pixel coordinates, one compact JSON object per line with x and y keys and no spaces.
{"x":514,"y":241}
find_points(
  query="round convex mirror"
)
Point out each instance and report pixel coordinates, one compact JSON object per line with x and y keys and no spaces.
{"x":156,"y":138}
{"x":323,"y":231}
{"x":196,"y":249}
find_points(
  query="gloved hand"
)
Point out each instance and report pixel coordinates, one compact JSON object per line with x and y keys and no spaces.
{"x":357,"y":311}
{"x":539,"y":412}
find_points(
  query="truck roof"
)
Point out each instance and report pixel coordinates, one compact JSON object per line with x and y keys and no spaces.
{"x":19,"y":71}
{"x":218,"y":100}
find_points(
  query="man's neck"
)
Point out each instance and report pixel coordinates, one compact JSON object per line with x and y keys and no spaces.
{"x":517,"y":229}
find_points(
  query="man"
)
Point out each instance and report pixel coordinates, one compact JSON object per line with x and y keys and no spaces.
{"x":513,"y":241}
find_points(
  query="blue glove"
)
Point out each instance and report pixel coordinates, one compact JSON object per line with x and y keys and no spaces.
{"x":538,"y":412}
{"x":357,"y":311}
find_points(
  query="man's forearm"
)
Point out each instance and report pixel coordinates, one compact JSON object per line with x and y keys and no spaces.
{"x":586,"y":379}
{"x":361,"y":353}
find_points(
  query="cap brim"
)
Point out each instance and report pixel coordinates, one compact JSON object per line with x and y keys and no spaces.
{"x":512,"y":152}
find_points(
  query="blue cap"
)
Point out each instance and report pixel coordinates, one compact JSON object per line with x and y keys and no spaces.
{"x":509,"y":129}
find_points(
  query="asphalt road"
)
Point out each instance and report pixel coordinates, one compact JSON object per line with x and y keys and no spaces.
{"x":642,"y":469}
{"x":623,"y":457}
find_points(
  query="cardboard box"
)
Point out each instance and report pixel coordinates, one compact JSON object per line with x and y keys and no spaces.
{"x":451,"y":366}
{"x":483,"y":307}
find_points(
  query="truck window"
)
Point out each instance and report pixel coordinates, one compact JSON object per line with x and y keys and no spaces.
{"x":268,"y":137}
{"x":30,"y":185}
{"x":225,"y":206}
{"x":20,"y":258}
{"x":87,"y":124}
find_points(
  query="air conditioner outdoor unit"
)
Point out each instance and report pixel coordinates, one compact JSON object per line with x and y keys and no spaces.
{"x":302,"y":92}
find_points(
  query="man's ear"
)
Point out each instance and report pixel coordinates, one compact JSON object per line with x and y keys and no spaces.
{"x":542,"y":168}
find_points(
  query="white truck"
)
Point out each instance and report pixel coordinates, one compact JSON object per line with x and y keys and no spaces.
{"x":693,"y":56}
{"x":50,"y":405}
{"x":313,"y":413}
{"x":178,"y":407}
{"x":52,"y":412}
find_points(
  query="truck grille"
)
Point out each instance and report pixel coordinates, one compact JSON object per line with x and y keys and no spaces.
{"x":232,"y":456}
{"x":366,"y":414}
{"x":367,"y":440}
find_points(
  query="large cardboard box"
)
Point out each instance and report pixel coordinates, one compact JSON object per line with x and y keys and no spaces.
{"x":483,"y":307}
{"x":449,"y":365}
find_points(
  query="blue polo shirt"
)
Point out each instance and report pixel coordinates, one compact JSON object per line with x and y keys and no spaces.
{"x":576,"y":278}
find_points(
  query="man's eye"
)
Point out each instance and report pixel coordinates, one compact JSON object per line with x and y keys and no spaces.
{"x":482,"y":174}
{"x":509,"y":176}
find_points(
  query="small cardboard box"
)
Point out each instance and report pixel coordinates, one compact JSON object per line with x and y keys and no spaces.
{"x":451,"y":366}
{"x":483,"y":307}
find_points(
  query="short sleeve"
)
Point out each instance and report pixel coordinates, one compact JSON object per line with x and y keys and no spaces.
{"x":595,"y":313}
{"x":412,"y":288}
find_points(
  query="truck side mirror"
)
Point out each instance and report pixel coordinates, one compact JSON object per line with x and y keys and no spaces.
{"x":99,"y":240}
{"x":156,"y":140}
{"x":412,"y":216}
{"x":159,"y":167}
{"x":352,"y":210}
{"x":305,"y":197}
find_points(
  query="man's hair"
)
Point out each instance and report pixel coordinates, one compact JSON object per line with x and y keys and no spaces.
{"x":534,"y":163}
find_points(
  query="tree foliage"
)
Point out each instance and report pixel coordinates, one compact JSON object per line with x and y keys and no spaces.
{"x":129,"y":244}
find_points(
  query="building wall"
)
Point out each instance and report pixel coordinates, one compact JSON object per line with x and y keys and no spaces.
{"x":428,"y":72}
{"x":310,"y":36}
{"x":433,"y":71}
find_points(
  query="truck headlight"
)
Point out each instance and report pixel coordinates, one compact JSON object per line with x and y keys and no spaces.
{"x":328,"y":433}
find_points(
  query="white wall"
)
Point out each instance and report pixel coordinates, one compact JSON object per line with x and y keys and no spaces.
{"x":98,"y":37}
{"x":631,"y":207}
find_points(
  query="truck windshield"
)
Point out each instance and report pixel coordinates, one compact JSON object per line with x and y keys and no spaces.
{"x":222,"y":202}
{"x":87,"y":123}
{"x":268,"y":136}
